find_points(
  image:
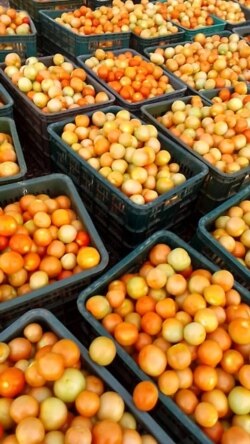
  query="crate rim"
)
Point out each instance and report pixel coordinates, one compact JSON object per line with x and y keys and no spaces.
{"x":19,"y":154}
{"x":68,"y":112}
{"x":219,"y":21}
{"x":82,"y":214}
{"x":212,"y":215}
{"x":145,"y":207}
{"x":167,"y":132}
{"x":180,"y":31}
{"x":6,"y":96}
{"x":47,"y":317}
{"x":116,"y":271}
{"x":46,"y":13}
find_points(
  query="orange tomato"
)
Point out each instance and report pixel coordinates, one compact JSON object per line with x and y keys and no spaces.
{"x":145,"y":395}
{"x":12,"y":382}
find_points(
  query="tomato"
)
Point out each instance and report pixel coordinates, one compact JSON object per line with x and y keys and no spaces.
{"x":3,"y":242}
{"x":82,"y":239}
{"x":12,"y":382}
{"x":8,"y":225}
{"x":1,"y":431}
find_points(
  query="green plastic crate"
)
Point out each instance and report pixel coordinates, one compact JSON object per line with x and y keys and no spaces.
{"x":24,"y":45}
{"x":66,"y":290}
{"x":74,"y":44}
{"x":33,"y":121}
{"x":217,"y":27}
{"x":218,"y":186}
{"x":33,"y":7}
{"x":140,"y":44}
{"x":208,"y":245}
{"x":49,"y":322}
{"x":124,"y":216}
{"x":179,"y":86}
{"x":7,"y":109}
{"x":167,"y":414}
{"x":8,"y":126}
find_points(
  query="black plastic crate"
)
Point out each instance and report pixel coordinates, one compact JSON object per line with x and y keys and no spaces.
{"x":34,"y":120}
{"x":167,"y":414}
{"x":246,"y":12}
{"x":55,"y":295}
{"x":140,"y":44}
{"x":112,"y":207}
{"x":243,"y":31}
{"x":207,"y":244}
{"x":49,"y":322}
{"x":179,"y":86}
{"x":210,"y":94}
{"x":218,"y":186}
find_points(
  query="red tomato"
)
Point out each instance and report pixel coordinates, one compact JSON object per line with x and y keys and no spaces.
{"x":3,"y":243}
{"x":82,"y":239}
{"x":12,"y":382}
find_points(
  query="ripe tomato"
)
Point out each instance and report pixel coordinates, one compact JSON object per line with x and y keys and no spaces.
{"x":8,"y":225}
{"x":12,"y":382}
{"x":3,"y":242}
{"x":82,"y":239}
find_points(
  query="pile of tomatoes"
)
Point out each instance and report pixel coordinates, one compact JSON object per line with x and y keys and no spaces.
{"x":132,"y":77}
{"x":208,"y":62}
{"x":189,"y":330}
{"x":219,"y":133}
{"x":232,"y":231}
{"x":126,"y":152}
{"x":53,"y":88}
{"x":48,"y":396}
{"x":41,"y":241}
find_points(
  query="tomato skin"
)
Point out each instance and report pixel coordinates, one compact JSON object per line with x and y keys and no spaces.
{"x":82,"y":239}
{"x":1,"y":430}
{"x":12,"y":382}
{"x":8,"y":225}
{"x":3,"y":242}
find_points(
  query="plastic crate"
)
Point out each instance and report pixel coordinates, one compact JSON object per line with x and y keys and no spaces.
{"x":243,"y":31}
{"x":16,"y":4}
{"x":94,"y":4}
{"x":179,"y":86}
{"x":218,"y":26}
{"x":49,"y":322}
{"x":24,"y":45}
{"x":8,"y":126}
{"x":217,"y":186}
{"x":7,"y":109}
{"x":34,"y":120}
{"x":34,"y":6}
{"x":140,"y":44}
{"x":208,"y":245}
{"x":167,"y":414}
{"x":246,"y":11}
{"x":66,"y":290}
{"x":75,"y":44}
{"x":211,"y":93}
{"x":102,"y":197}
